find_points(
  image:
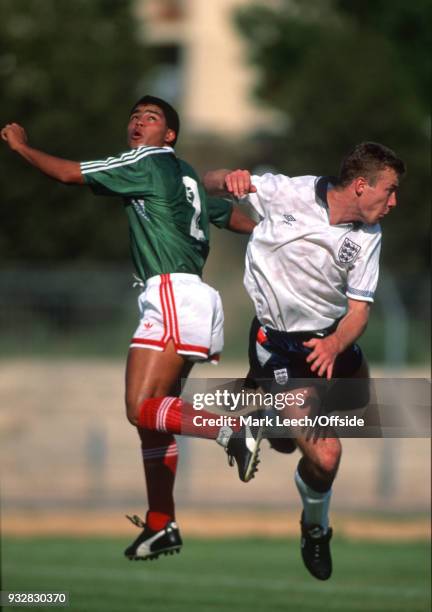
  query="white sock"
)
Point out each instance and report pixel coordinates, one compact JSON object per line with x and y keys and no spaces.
{"x":315,"y":505}
{"x":224,"y":435}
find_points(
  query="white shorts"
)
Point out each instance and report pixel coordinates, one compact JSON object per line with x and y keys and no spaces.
{"x":181,"y":308}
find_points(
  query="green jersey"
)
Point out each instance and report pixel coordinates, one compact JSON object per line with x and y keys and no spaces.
{"x":166,"y":206}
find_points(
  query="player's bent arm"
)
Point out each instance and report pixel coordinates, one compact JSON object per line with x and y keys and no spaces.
{"x":324,"y":351}
{"x":214,"y":182}
{"x":240,"y":222}
{"x":353,"y":324}
{"x":234,"y":182}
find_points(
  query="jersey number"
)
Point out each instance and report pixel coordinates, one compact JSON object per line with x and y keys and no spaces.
{"x":193,"y":197}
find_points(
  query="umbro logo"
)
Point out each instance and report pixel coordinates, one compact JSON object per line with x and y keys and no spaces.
{"x":288,"y":219}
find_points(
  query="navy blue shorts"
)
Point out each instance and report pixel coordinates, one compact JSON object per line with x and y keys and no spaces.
{"x":278,"y":363}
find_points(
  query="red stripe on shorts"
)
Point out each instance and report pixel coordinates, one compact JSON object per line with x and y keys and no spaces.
{"x":164,"y":310}
{"x":168,"y":307}
{"x":174,"y":312}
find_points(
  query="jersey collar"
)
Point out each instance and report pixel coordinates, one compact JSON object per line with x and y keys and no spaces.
{"x":321,"y":189}
{"x":168,"y":148}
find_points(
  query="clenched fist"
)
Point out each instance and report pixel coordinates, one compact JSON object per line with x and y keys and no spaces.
{"x":14,"y":134}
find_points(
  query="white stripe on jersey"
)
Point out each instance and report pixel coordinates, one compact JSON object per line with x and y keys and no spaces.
{"x":124,"y":156}
{"x":130,"y":157}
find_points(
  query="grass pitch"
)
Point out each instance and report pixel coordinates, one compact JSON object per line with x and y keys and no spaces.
{"x":263,"y":575}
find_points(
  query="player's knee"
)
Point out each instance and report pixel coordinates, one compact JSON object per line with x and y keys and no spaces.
{"x":133,"y":407}
{"x":133,"y":419}
{"x":132,"y":416}
{"x":329,"y":457}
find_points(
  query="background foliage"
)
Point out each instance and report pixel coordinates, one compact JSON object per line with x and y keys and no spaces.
{"x":337,"y":71}
{"x":345,"y":71}
{"x":69,"y":72}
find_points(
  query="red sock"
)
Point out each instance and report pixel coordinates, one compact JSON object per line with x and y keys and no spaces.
{"x":157,"y":520}
{"x":173,"y":415}
{"x":159,"y":453}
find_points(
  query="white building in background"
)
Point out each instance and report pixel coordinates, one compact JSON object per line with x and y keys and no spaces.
{"x":204,"y":68}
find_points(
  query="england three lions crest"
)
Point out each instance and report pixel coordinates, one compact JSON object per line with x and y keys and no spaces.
{"x":348,"y":251}
{"x":281,"y":376}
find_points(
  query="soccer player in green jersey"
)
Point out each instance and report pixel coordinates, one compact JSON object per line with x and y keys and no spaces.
{"x":181,"y":318}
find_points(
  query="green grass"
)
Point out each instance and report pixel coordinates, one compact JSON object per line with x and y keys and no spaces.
{"x":263,"y":575}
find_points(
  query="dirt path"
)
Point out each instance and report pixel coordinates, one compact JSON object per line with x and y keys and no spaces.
{"x":213,"y":524}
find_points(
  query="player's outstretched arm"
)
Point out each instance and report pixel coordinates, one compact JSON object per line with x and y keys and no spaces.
{"x":222,"y":182}
{"x":350,"y":328}
{"x":62,"y":170}
{"x":214,"y":182}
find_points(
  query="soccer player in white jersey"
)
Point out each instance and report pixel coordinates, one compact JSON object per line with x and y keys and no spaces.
{"x":181,"y":318}
{"x":311,"y":272}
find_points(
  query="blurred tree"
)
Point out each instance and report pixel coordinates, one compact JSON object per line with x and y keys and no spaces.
{"x":69,"y":72}
{"x":406,"y":25}
{"x":345,"y":71}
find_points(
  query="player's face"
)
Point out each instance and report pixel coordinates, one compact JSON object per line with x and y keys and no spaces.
{"x":147,"y":126}
{"x":377,"y":200}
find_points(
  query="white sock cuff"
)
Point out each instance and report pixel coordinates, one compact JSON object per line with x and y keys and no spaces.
{"x":315,"y":504}
{"x":305,"y":489}
{"x":224,"y":435}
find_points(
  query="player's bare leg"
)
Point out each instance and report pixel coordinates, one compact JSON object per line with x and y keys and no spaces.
{"x":321,"y":456}
{"x":152,"y":373}
{"x":314,"y":477}
{"x":320,"y":459}
{"x":153,"y":381}
{"x":315,"y":474}
{"x":156,"y":374}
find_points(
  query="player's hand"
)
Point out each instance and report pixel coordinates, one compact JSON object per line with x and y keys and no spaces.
{"x":14,"y":134}
{"x":238,"y":182}
{"x":323,"y":354}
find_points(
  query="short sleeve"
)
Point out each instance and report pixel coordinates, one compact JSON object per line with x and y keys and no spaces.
{"x":129,"y":174}
{"x":267,"y":186}
{"x":219,"y":211}
{"x":363,"y":275}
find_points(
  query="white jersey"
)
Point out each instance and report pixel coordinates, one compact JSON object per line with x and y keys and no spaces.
{"x":300,"y":270}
